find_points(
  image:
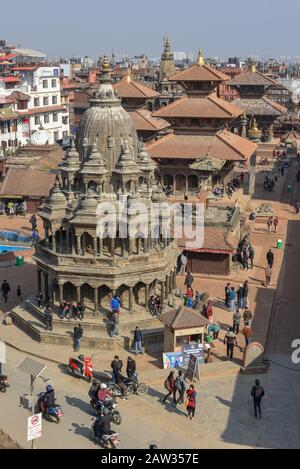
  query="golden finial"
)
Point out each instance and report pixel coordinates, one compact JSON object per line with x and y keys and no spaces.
{"x":254,"y":125}
{"x":200,"y":60}
{"x":253,"y":68}
{"x":128,"y":75}
{"x":105,"y":63}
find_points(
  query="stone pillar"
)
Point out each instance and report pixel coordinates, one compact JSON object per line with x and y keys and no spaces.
{"x":112,"y":244}
{"x":130,"y":298}
{"x":39,"y":281}
{"x":122,"y":241}
{"x":96,"y":300}
{"x":60,"y":293}
{"x":113,"y":292}
{"x":170,"y":283}
{"x":78,"y":245}
{"x":100,"y":246}
{"x":46,"y":282}
{"x":60,"y":249}
{"x":146,"y":295}
{"x":95,"y":247}
{"x":78,"y":293}
{"x":67,"y":241}
{"x":174,"y":279}
{"x":83,"y":245}
{"x":271,"y":133}
{"x":53,"y":242}
{"x":162,"y":295}
{"x":146,"y":245}
{"x":129,"y":247}
{"x":138,"y":240}
{"x":72,"y":243}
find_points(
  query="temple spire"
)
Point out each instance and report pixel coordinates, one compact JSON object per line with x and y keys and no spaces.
{"x":200,"y":60}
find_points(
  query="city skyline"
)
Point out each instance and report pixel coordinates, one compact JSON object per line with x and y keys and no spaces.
{"x":64,"y":30}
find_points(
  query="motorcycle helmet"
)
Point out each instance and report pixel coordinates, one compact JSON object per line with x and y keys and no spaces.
{"x":81,"y":358}
{"x":103,"y":386}
{"x":49,"y":388}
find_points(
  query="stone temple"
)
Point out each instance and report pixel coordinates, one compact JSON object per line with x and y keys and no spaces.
{"x":108,"y":165}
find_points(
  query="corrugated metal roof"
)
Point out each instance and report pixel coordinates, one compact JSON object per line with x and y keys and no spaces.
{"x":32,"y":367}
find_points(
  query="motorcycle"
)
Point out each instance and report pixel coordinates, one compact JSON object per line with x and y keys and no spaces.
{"x":133,"y":387}
{"x":52,"y":413}
{"x":111,"y":405}
{"x":110,"y":440}
{"x":3,"y":383}
{"x":82,"y":368}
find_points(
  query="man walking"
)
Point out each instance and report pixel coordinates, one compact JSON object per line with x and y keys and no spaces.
{"x":78,"y":333}
{"x":247,"y":333}
{"x":138,"y":339}
{"x":269,"y":224}
{"x":245,"y":301}
{"x":183,"y":260}
{"x":240,"y":296}
{"x":276,"y":223}
{"x":236,"y":322}
{"x":49,"y":318}
{"x":270,"y":258}
{"x":180,"y":386}
{"x":232,"y":299}
{"x":19,"y":293}
{"x":230,"y":341}
{"x":257,"y":392}
{"x":268,"y":272}
{"x":170,"y":387}
{"x":227,"y":294}
{"x":116,"y":366}
{"x":5,"y":288}
{"x":251,"y":255}
{"x":188,"y":280}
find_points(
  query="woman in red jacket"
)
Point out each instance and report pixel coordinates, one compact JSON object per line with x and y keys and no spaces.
{"x":191,"y":404}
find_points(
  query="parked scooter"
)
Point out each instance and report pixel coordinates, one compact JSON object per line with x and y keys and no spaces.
{"x":3,"y":383}
{"x":50,"y":413}
{"x":82,"y":367}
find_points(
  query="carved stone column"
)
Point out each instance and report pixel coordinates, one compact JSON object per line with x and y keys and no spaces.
{"x":78,"y":293}
{"x":96,"y":300}
{"x":130,"y":298}
{"x":60,"y":293}
{"x":95,"y":247}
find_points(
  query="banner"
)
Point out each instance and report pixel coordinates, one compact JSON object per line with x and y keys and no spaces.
{"x":195,"y":349}
{"x":172,"y":360}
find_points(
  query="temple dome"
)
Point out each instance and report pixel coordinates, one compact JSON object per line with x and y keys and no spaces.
{"x":107,"y":124}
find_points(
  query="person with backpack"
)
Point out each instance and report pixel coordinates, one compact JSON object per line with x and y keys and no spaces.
{"x":191,"y":403}
{"x":180,"y":386}
{"x":169,"y":385}
{"x":257,"y":392}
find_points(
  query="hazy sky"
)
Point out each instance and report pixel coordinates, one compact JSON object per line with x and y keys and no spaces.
{"x":221,"y":28}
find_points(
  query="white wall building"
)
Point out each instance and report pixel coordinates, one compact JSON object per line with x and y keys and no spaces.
{"x":42,"y":107}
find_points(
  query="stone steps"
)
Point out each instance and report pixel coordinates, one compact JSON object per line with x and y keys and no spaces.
{"x":31,"y":320}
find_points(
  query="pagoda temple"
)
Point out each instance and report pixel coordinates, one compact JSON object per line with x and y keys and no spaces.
{"x":140,"y":101}
{"x":169,"y":90}
{"x":76,"y":262}
{"x":200,"y":153}
{"x":252,"y":87}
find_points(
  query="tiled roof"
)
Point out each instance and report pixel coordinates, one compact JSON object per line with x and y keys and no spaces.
{"x":252,"y":79}
{"x":19,"y":96}
{"x":41,"y":110}
{"x":199,"y":73}
{"x":184,"y":318}
{"x":260,"y":107}
{"x":216,"y":240}
{"x":209,"y":107}
{"x":134,"y":89}
{"x":143,"y":120}
{"x":224,"y":145}
{"x":27,"y":182}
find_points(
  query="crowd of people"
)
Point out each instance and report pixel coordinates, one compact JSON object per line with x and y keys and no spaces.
{"x":245,"y":253}
{"x":13,"y":207}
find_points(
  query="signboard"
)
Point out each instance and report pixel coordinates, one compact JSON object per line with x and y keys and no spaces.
{"x":191,"y":369}
{"x":195,"y":349}
{"x":34,"y":427}
{"x":25,"y":128}
{"x":172,"y":360}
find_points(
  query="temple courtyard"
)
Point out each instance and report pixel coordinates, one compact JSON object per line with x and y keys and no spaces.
{"x":224,"y":408}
